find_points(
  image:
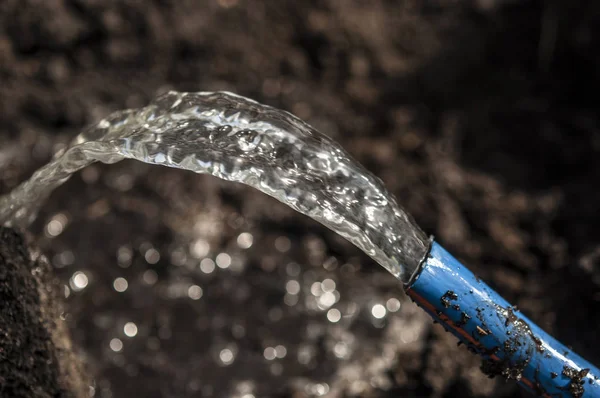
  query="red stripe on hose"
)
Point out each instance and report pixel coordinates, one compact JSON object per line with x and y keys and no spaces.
{"x":447,"y":321}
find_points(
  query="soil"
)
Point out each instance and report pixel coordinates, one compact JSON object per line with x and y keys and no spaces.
{"x":36,"y":356}
{"x":480,"y":116}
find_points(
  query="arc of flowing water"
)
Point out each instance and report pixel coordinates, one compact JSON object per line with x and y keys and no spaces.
{"x":238,"y":139}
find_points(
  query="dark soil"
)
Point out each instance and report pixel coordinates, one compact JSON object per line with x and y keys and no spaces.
{"x":36,"y":356}
{"x":480,"y":116}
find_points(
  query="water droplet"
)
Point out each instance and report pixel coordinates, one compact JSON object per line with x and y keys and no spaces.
{"x":319,"y":163}
{"x":130,"y":329}
{"x":316,"y":289}
{"x":223,"y":260}
{"x":270,"y":353}
{"x":378,"y":311}
{"x":334,"y":315}
{"x":207,"y":265}
{"x":248,"y":140}
{"x":340,"y":350}
{"x":320,"y":389}
{"x":56,"y":225}
{"x":280,"y":351}
{"x":195,"y":292}
{"x":245,"y":240}
{"x":292,"y":287}
{"x":328,"y":285}
{"x":79,"y":281}
{"x":226,"y":356}
{"x":199,"y":248}
{"x":326,"y":300}
{"x":152,"y":256}
{"x":116,"y":345}
{"x":393,"y":305}
{"x":120,"y":285}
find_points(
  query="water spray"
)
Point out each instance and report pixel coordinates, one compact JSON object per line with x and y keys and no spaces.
{"x":240,"y":140}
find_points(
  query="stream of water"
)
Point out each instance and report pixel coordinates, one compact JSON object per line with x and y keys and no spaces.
{"x":238,"y":139}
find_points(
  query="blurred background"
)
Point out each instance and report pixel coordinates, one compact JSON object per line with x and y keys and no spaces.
{"x":480,"y":116}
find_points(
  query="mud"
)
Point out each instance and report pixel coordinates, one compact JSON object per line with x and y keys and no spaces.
{"x":577,"y":383}
{"x":447,"y":298}
{"x":519,"y":337}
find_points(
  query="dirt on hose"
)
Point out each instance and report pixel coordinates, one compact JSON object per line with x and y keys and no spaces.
{"x":480,"y":116}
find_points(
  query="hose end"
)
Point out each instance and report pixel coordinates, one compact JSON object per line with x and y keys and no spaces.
{"x":511,"y":345}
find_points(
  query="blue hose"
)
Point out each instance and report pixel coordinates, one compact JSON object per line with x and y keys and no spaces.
{"x":512,"y":346}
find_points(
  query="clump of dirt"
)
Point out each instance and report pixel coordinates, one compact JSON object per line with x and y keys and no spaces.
{"x":447,"y":298}
{"x":577,"y":383}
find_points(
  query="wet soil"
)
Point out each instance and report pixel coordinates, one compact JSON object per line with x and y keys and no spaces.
{"x":480,"y":116}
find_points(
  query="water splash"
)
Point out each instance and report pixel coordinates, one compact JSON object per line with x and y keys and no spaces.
{"x":238,"y":139}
